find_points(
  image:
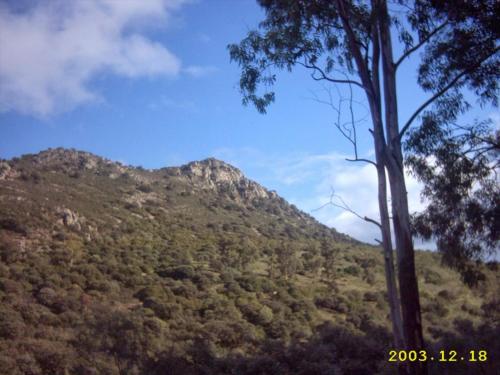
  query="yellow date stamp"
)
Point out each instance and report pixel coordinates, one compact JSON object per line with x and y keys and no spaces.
{"x":442,"y":356}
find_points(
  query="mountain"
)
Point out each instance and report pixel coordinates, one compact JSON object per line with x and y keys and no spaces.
{"x":112,"y":269}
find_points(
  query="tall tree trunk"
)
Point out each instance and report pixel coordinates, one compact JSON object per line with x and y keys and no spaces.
{"x":410,"y":301}
{"x":390,"y":278}
{"x":385,"y":225}
{"x":371,"y":85}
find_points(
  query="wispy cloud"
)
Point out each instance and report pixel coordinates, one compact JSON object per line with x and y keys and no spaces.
{"x":199,"y":71}
{"x":173,"y":104}
{"x":50,"y":51}
{"x":307,"y":180}
{"x":204,"y":38}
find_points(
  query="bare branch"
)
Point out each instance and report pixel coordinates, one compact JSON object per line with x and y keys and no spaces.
{"x":348,"y":128}
{"x":343,"y":205}
{"x":363,"y":160}
{"x":349,"y":132}
{"x":420,"y":44}
{"x":346,"y":133}
{"x":325,"y":77}
{"x":353,"y":124}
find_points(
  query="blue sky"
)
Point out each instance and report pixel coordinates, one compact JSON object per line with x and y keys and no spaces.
{"x":150,"y":83}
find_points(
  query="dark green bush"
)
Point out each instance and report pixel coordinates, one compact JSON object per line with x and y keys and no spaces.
{"x":352,"y":270}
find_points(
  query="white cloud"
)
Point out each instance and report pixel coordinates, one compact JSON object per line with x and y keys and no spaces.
{"x":50,"y":52}
{"x":357,"y":187}
{"x":204,"y":38}
{"x":199,"y":71}
{"x":173,"y":104}
{"x":308,"y":182}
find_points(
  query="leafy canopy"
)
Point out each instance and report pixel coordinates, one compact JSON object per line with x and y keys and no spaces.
{"x":459,"y":62}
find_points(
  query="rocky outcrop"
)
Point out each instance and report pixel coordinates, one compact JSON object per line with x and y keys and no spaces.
{"x":70,"y":218}
{"x":208,"y":174}
{"x":217,"y":175}
{"x":7,"y":172}
{"x":71,"y":158}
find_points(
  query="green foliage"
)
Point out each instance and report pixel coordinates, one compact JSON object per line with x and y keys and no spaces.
{"x":458,"y":166}
{"x":288,"y":260}
{"x":353,"y":270}
{"x":179,"y":292}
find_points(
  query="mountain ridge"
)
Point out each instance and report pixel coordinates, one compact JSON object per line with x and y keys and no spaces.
{"x":209,"y":174}
{"x":210,"y":170}
{"x":110,"y":269}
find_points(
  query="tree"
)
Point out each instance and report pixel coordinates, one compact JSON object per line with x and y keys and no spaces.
{"x":350,"y":42}
{"x":288,"y":260}
{"x":247,"y":253}
{"x":313,"y":262}
{"x":330,"y":254}
{"x":458,"y":166}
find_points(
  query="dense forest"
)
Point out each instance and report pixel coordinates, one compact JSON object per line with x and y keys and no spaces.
{"x":112,"y":269}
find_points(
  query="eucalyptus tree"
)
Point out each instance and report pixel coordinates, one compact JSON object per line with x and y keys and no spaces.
{"x":458,"y":165}
{"x":352,"y":42}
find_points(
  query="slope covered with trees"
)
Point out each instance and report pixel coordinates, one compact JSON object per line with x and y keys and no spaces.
{"x":109,"y":269}
{"x":356,"y":43}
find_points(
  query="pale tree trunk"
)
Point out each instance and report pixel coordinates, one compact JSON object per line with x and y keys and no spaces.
{"x":385,"y":226}
{"x":410,"y":301}
{"x":372,"y":90}
{"x":390,"y":278}
{"x":385,"y":229}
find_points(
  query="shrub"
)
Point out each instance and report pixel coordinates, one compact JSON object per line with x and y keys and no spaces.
{"x":13,"y":225}
{"x":145,"y":188}
{"x":446,"y":295}
{"x":250,"y":283}
{"x":352,"y":270}
{"x":178,"y":273}
{"x":371,"y":297}
{"x":11,"y":325}
{"x":334,"y":303}
{"x":436,"y":308}
{"x":432,"y":277}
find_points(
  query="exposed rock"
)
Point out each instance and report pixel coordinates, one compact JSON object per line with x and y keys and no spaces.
{"x":80,"y":160}
{"x":88,"y":163}
{"x":7,"y":172}
{"x":216,"y":175}
{"x":208,"y":174}
{"x":119,"y":170}
{"x":70,"y":219}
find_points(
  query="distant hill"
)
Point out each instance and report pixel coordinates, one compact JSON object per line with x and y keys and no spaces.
{"x":112,"y":269}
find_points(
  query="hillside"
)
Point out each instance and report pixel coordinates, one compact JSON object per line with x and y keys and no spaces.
{"x":112,"y":269}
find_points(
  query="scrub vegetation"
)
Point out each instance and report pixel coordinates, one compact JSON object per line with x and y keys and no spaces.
{"x":109,"y":269}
